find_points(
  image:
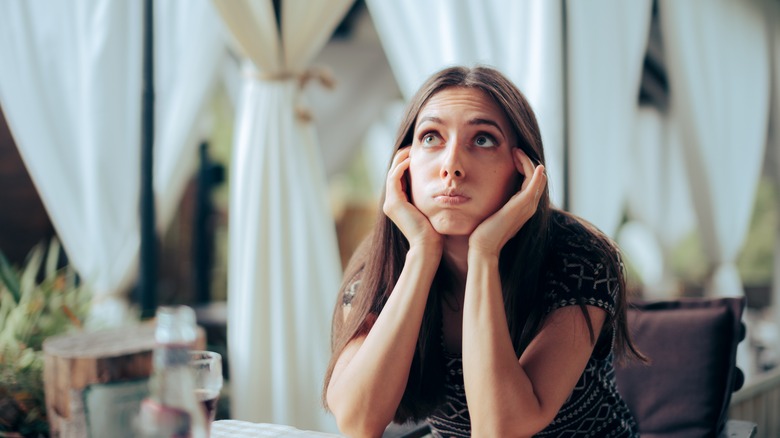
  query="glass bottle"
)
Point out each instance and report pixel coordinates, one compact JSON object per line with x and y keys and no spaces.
{"x":171,"y":410}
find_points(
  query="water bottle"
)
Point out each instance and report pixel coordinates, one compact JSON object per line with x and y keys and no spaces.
{"x":171,"y":410}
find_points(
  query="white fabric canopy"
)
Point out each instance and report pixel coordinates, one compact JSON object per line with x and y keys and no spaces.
{"x":72,"y":98}
{"x":658,"y":188}
{"x":717,"y":58}
{"x":606,"y":46}
{"x":188,"y":53}
{"x":284,"y":269}
{"x":420,"y":38}
{"x":658,"y":193}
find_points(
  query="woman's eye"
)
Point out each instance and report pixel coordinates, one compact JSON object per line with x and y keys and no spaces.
{"x":484,"y":141}
{"x":431,"y":140}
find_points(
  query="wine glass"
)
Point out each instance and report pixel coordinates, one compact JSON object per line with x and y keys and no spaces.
{"x":207,"y":369}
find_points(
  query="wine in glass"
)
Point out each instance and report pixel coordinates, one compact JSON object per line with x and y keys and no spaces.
{"x":207,"y":369}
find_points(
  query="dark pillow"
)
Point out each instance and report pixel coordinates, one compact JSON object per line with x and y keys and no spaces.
{"x":686,"y":388}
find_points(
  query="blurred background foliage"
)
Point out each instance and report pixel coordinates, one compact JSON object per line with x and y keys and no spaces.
{"x":42,"y":298}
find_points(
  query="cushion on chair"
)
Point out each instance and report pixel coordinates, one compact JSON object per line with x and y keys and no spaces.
{"x":686,"y":388}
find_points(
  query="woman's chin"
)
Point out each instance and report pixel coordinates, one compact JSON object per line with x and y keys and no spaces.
{"x":454,"y":228}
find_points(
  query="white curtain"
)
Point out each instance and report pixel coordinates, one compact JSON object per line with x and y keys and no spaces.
{"x":522,"y":39}
{"x":658,"y":193}
{"x":189,"y":50}
{"x":72,"y":98}
{"x":606,"y":45}
{"x":284,"y":269}
{"x":658,"y":189}
{"x":717,"y":59}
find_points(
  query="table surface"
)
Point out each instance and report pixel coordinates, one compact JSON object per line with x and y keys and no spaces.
{"x":237,"y":428}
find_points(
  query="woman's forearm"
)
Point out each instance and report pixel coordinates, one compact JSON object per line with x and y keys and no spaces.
{"x":500,"y":395}
{"x":365,"y":390}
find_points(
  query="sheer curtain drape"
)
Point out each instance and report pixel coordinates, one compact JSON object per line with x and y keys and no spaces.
{"x":189,"y":49}
{"x":72,"y":101}
{"x":72,"y":96}
{"x":522,"y":39}
{"x":717,"y":60}
{"x":284,"y":269}
{"x":606,"y":42}
{"x":658,"y":193}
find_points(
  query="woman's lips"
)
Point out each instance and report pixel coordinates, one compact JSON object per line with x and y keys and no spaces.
{"x":451,"y":198}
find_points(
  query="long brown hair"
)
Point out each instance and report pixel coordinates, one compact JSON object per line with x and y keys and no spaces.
{"x":378,"y":262}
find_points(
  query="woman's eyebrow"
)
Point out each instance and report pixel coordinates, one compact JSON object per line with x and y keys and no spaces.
{"x":472,"y":122}
{"x":478,"y":121}
{"x":430,"y":119}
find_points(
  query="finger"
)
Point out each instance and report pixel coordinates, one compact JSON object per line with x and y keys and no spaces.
{"x":396,"y":182}
{"x":531,"y":192}
{"x":400,"y":166}
{"x":533,"y":187}
{"x":398,"y":159}
{"x":538,"y":182}
{"x":527,"y":167}
{"x":400,"y":154}
{"x":395,"y":177}
{"x":519,"y":157}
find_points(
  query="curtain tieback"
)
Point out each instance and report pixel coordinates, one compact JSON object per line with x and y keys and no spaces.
{"x":321,"y":74}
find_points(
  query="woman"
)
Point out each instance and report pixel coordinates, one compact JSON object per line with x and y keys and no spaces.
{"x":474,"y":304}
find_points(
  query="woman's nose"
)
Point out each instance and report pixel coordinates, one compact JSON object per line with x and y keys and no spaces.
{"x":452,"y":167}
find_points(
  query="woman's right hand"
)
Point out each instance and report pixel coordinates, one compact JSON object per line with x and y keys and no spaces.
{"x":413,"y":224}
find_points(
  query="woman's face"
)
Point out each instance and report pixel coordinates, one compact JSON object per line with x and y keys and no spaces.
{"x":461,"y":168}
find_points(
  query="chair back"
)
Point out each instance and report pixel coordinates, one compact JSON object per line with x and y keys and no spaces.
{"x":691,"y":344}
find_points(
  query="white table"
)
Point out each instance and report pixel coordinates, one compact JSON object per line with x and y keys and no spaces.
{"x":236,"y":428}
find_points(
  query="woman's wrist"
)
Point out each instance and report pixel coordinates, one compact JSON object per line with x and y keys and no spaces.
{"x":482,"y":245}
{"x":426,"y":251}
{"x":478,"y":253}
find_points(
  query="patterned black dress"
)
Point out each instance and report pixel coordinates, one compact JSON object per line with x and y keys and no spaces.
{"x":594,"y":408}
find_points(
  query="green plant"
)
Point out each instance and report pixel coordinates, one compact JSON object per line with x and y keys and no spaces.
{"x":36,"y":301}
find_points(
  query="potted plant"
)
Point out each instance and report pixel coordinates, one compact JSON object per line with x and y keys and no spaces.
{"x":37,"y":300}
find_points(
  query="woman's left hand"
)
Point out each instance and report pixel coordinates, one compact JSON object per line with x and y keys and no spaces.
{"x":492,"y":234}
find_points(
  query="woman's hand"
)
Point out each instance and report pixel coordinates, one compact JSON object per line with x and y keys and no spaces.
{"x":492,"y":234}
{"x":412,"y":223}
